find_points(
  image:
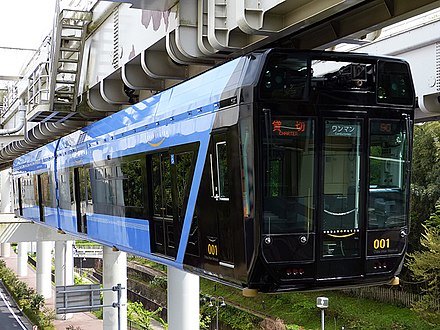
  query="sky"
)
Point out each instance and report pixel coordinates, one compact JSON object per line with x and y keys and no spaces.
{"x":23,"y":24}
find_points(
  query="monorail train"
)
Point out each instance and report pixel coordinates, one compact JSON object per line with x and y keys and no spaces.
{"x":279,"y":170}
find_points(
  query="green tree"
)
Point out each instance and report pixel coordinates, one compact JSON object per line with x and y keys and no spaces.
{"x":138,"y":314}
{"x":425,"y":266}
{"x":425,"y":182}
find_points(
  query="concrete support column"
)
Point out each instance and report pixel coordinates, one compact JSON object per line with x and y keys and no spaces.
{"x":64,"y":269}
{"x":5,"y":191}
{"x":114,"y":272}
{"x":183,"y":300}
{"x":6,"y":250}
{"x":22,"y":260}
{"x":44,"y":266}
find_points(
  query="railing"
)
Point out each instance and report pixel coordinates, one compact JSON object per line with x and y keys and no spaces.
{"x":387,"y":295}
{"x":38,"y":86}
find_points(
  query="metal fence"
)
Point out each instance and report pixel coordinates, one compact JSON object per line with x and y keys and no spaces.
{"x":386,"y":294}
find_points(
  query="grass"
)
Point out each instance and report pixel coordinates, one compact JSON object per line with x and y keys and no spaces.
{"x":299,"y":309}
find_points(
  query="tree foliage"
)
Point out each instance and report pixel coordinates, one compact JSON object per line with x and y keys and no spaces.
{"x":425,"y":182}
{"x":425,"y":266}
{"x":139,"y":315}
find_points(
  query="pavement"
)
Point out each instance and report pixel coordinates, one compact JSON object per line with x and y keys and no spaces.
{"x":84,"y":321}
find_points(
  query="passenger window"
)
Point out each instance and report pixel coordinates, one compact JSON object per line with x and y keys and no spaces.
{"x":162,"y":196}
{"x":388,"y":174}
{"x":184,"y":169}
{"x":222,"y":170}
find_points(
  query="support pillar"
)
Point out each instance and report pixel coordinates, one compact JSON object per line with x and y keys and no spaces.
{"x":114,"y":272}
{"x":5,"y":191}
{"x":6,"y":250}
{"x":22,"y":260}
{"x":44,"y":266}
{"x":183,"y":300}
{"x":64,"y":269}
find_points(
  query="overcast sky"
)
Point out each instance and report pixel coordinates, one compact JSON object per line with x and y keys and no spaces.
{"x":23,"y":24}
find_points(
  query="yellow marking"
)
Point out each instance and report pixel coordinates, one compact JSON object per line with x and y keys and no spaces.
{"x":156,"y":144}
{"x":341,"y":236}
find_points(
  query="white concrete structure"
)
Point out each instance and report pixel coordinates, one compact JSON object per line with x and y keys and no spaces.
{"x":44,"y":268}
{"x":114,"y":273}
{"x":5,"y":191}
{"x":64,"y":268}
{"x":22,"y":266}
{"x":183,"y":300}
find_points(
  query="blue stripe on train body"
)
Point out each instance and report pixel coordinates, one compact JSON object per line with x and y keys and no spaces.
{"x":180,"y":115}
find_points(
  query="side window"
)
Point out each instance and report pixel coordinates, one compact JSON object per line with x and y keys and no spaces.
{"x":46,"y":192}
{"x":85,"y":188}
{"x":184,"y":163}
{"x":130,"y":181}
{"x":171,"y":177}
{"x":162,"y":188}
{"x":222,"y":170}
{"x":388,"y":186}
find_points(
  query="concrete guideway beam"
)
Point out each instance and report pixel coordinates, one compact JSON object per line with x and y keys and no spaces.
{"x":353,"y":23}
{"x":21,"y":231}
{"x":97,"y":103}
{"x":112,"y":91}
{"x":156,"y":64}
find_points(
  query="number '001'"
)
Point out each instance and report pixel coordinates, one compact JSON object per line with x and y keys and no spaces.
{"x":381,"y":243}
{"x":212,"y":249}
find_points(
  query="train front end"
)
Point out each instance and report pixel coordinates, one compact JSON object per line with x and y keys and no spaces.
{"x":332,"y":162}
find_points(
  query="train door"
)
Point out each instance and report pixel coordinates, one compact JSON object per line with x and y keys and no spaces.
{"x":340,"y":244}
{"x":81,"y":187}
{"x":172,"y":173}
{"x":163,"y":211}
{"x":220,"y":241}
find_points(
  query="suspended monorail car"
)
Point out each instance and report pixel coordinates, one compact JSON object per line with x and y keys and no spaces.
{"x":279,"y":170}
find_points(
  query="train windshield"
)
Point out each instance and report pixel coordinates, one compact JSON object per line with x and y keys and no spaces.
{"x":289,"y":151}
{"x":394,"y":83}
{"x":285,"y":77}
{"x":388,"y":174}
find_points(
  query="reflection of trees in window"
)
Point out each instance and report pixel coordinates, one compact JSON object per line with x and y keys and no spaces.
{"x":375,"y":165}
{"x":157,"y":191}
{"x":162,"y":194}
{"x":133,"y":183}
{"x":166,"y":186}
{"x":84,"y":184}
{"x":275,"y":178}
{"x":222,"y":169}
{"x":184,"y":176}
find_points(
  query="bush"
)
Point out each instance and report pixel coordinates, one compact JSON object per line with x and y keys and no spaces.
{"x":31,"y":303}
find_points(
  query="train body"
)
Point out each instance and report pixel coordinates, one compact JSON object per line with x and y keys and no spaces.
{"x":279,"y":170}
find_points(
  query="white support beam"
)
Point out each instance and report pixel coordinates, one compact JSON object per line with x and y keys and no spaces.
{"x":64,"y":269}
{"x":183,"y":300}
{"x":114,"y":273}
{"x":44,"y":268}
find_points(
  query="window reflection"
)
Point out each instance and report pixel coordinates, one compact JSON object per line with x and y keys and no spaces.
{"x":288,"y":196}
{"x":388,"y":174}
